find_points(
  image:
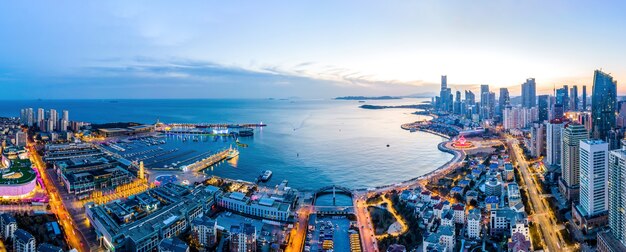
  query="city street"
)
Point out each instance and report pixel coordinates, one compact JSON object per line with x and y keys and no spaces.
{"x":74,"y":238}
{"x":542,"y":214}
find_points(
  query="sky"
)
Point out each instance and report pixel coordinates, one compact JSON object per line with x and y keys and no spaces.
{"x":309,"y":49}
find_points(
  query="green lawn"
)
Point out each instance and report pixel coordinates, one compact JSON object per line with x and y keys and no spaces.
{"x":22,"y":166}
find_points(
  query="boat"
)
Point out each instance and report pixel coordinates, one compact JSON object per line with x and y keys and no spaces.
{"x":241,"y":144}
{"x":232,"y":153}
{"x":266,"y":175}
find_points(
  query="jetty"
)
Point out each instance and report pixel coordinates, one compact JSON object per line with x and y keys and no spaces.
{"x":213,"y":159}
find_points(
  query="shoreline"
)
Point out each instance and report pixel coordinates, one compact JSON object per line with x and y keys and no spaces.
{"x":457,"y":157}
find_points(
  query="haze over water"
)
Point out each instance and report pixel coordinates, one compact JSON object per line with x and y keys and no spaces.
{"x":311,"y":143}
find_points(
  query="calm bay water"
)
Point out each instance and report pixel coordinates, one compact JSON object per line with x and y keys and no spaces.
{"x":311,"y":143}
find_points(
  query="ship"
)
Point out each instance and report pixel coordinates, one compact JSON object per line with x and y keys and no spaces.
{"x":232,"y":153}
{"x":265,"y":176}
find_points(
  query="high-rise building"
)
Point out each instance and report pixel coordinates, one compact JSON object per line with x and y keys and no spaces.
{"x":553,"y":142}
{"x":584,"y":98}
{"x":66,"y":115}
{"x":484,"y":102}
{"x":529,"y":93}
{"x":54,"y":120}
{"x":542,"y":102}
{"x":617,"y":201}
{"x":561,"y":97}
{"x":573,"y":101}
{"x":40,"y":119}
{"x":557,"y":112}
{"x":470,"y":98}
{"x":570,"y":168}
{"x":503,"y":101}
{"x":594,"y":171}
{"x":538,"y":140}
{"x":603,"y":99}
{"x":445,"y":96}
{"x":518,"y":117}
{"x":457,"y":103}
{"x":20,"y":139}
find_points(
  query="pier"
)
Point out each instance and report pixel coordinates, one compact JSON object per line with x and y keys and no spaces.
{"x":213,"y":159}
{"x":215,"y":125}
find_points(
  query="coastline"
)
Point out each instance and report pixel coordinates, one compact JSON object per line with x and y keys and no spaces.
{"x":457,"y":157}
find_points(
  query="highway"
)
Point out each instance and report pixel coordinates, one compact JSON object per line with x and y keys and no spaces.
{"x":73,"y":237}
{"x":542,"y":214}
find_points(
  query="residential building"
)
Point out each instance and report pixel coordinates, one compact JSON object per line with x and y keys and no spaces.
{"x":204,"y":231}
{"x":243,"y":238}
{"x":23,"y":241}
{"x":8,"y":226}
{"x":617,"y":202}
{"x":591,"y":212}
{"x":553,"y":142}
{"x":570,"y":168}
{"x":474,"y":224}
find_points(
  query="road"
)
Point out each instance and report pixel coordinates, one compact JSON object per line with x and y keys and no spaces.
{"x":73,"y":237}
{"x":542,"y":214}
{"x":298,"y":233}
{"x":366,"y":230}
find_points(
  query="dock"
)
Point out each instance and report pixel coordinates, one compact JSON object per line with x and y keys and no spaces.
{"x":213,"y":159}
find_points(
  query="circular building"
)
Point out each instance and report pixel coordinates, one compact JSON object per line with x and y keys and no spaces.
{"x":18,"y":179}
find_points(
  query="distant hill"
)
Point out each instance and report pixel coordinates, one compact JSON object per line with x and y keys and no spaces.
{"x":368,"y":98}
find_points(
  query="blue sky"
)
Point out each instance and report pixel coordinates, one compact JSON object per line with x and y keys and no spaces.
{"x":311,"y":49}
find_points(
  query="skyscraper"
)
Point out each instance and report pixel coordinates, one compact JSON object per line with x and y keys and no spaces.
{"x":573,"y":100}
{"x":445,"y":102}
{"x":570,"y":168}
{"x":40,"y":118}
{"x":54,"y":120}
{"x":594,"y":170}
{"x":457,"y":103}
{"x":503,"y":100}
{"x":566,"y":99}
{"x":470,"y":98}
{"x":584,"y":108}
{"x":542,"y":102}
{"x":553,"y":142}
{"x":529,"y":93}
{"x":484,"y":102}
{"x":604,"y":95}
{"x":617,"y":201}
{"x":561,"y":97}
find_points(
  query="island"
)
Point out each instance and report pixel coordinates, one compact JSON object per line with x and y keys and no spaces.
{"x":368,"y":98}
{"x":423,"y":106}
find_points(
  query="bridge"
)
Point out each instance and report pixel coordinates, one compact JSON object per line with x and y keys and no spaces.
{"x":332,"y":190}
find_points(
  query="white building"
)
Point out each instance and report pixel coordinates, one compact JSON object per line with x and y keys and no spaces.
{"x":594,"y":175}
{"x":444,"y":236}
{"x":204,"y":229}
{"x":266,"y":208}
{"x":20,"y":139}
{"x":554,"y":130}
{"x":473,"y":224}
{"x":520,"y":226}
{"x":23,"y":241}
{"x":8,"y":225}
{"x":459,"y":213}
{"x":493,"y":187}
